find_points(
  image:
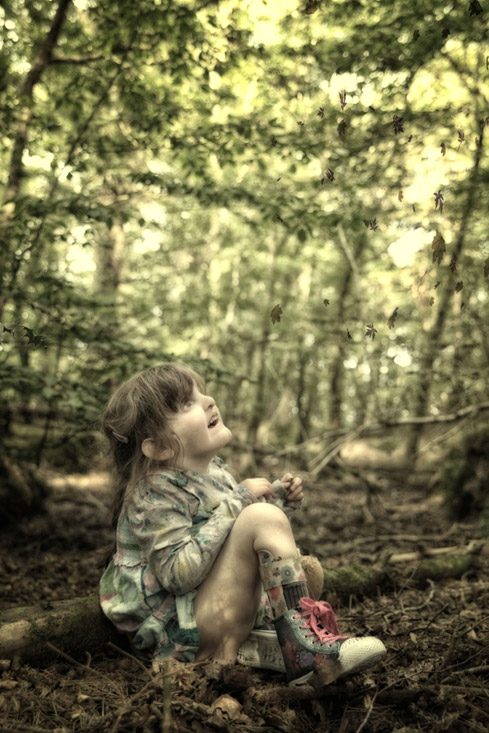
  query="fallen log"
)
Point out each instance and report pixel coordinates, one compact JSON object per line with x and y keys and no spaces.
{"x":74,"y":626}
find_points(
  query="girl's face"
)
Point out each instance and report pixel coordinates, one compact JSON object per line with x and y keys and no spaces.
{"x":201,"y":432}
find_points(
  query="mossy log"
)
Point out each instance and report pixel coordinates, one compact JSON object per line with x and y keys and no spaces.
{"x":352,"y":580}
{"x":73,"y":626}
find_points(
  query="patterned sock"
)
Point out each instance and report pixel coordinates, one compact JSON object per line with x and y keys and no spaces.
{"x":277,"y":574}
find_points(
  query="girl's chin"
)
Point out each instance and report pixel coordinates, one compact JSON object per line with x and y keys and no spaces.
{"x":226,"y":435}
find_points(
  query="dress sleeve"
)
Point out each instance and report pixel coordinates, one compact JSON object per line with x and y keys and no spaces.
{"x":279,"y":498}
{"x":179,"y":538}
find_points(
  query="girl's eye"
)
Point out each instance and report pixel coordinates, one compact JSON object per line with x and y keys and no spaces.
{"x":187,"y":403}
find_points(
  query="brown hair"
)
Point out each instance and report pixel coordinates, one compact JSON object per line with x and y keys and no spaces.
{"x":140,"y":409}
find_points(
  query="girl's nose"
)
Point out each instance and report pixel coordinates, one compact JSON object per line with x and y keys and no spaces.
{"x":210,"y":402}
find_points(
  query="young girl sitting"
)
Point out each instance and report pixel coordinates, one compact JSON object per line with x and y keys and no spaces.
{"x":202,"y":562}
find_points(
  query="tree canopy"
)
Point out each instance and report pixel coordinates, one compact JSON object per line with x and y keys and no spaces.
{"x":289,"y":196}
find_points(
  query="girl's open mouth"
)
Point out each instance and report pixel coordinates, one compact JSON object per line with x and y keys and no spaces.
{"x":213,"y":421}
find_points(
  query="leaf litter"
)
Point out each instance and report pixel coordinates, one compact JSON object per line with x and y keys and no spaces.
{"x":434,"y":678}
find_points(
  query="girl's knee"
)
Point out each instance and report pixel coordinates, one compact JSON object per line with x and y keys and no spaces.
{"x":263,"y":513}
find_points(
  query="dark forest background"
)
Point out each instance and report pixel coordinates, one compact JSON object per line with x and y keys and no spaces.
{"x":292,"y":197}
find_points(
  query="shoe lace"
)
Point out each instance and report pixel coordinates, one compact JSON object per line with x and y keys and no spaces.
{"x":320,"y":620}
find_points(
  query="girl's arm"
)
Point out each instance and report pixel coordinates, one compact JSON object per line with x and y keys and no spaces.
{"x":179,"y":538}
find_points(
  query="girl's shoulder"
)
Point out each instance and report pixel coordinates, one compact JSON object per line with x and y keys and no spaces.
{"x":164,"y":478}
{"x":218,"y":470}
{"x":170,"y":480}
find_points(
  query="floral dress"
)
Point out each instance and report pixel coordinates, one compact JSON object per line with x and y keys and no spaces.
{"x":169,"y":534}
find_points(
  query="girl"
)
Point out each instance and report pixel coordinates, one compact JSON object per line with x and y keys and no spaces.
{"x":200,"y":560}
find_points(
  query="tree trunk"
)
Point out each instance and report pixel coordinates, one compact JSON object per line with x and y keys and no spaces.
{"x":259,"y":399}
{"x":109,"y":259}
{"x":337,"y":369}
{"x":73,"y":626}
{"x":432,"y":345}
{"x":16,"y":166}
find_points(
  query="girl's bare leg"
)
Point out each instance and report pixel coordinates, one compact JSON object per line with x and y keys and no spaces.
{"x":227,"y":601}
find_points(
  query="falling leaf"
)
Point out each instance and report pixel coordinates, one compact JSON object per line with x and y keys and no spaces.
{"x":34,"y":338}
{"x":330,"y":174}
{"x":461,"y":136}
{"x":326,"y":302}
{"x":320,"y":113}
{"x":443,"y":149}
{"x":349,"y":335}
{"x":486,"y":267}
{"x":437,"y":284}
{"x":311,"y":6}
{"x":301,"y":124}
{"x":371,"y":224}
{"x":371,"y":331}
{"x":342,"y":96}
{"x":341,"y":129}
{"x":445,"y":32}
{"x":431,"y":300}
{"x":400,"y":195}
{"x":459,"y":286}
{"x":416,"y":34}
{"x":392,"y":318}
{"x":276,"y":313}
{"x":274,"y":142}
{"x":279,"y":218}
{"x":438,"y":247}
{"x":398,"y":124}
{"x":475,"y":8}
{"x":439,"y":200}
{"x":453,"y":264}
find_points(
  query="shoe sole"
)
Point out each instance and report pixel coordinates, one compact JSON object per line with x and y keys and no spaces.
{"x":331,"y":671}
{"x":261,"y":650}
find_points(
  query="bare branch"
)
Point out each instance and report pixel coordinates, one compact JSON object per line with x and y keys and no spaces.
{"x":80,"y":61}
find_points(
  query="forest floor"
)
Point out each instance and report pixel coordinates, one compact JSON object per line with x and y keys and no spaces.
{"x":434,"y":677}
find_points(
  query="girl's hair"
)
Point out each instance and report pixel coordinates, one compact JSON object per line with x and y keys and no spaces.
{"x":140,"y":409}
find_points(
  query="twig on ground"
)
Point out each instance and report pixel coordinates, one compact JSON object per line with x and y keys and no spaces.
{"x":166,"y":724}
{"x":367,"y":717}
{"x":69,"y":659}
{"x":131,"y":657}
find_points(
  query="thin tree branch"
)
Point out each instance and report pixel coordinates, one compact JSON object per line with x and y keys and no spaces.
{"x":36,"y":237}
{"x":80,"y":61}
{"x":32,"y":77}
{"x":16,"y":168}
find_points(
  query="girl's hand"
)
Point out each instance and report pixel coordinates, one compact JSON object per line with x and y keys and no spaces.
{"x":260,"y":487}
{"x":293,"y":486}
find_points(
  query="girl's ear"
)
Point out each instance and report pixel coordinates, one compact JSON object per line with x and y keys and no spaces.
{"x":150,"y":450}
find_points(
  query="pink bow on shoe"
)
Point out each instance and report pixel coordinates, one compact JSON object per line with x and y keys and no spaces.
{"x":321,"y":621}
